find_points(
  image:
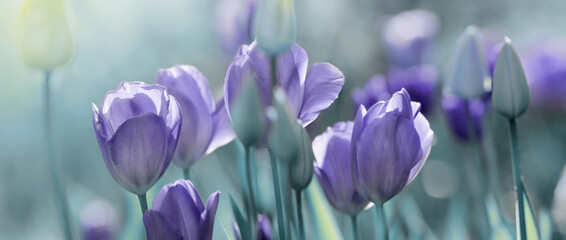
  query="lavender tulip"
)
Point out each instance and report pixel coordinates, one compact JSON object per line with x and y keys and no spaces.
{"x":419,"y":81}
{"x":332,"y":168}
{"x":409,"y":37}
{"x":374,"y":91}
{"x":179,"y":213}
{"x":390,"y":143}
{"x":457,"y":112}
{"x":137,"y":128}
{"x":206,"y":126}
{"x":309,"y":93}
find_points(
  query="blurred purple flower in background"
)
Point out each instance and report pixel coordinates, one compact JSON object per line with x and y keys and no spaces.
{"x":234,"y":23}
{"x":419,"y":81}
{"x":456,"y":111}
{"x":263,"y":230}
{"x":332,"y":168}
{"x":410,"y":36}
{"x":179,"y":213}
{"x":99,"y":221}
{"x":390,"y":143}
{"x":206,"y":126}
{"x":545,"y":67}
{"x":137,"y":128}
{"x":374,"y":91}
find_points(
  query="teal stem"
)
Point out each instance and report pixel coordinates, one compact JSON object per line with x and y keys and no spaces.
{"x":273,"y":64}
{"x":300,"y":215}
{"x":380,"y":214}
{"x":60,"y":194}
{"x":277,"y":189}
{"x":252,"y":215}
{"x":186,"y":173}
{"x":354,"y":226}
{"x":517,"y":176}
{"x":143,"y":203}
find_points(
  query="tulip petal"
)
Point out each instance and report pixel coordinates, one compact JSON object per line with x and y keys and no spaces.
{"x":207,"y":217}
{"x":322,"y":86}
{"x":426,"y":136}
{"x":223,"y":132}
{"x":137,"y":152}
{"x":158,"y":227}
{"x":291,"y":73}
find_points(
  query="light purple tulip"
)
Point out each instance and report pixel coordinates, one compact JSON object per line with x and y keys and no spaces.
{"x":206,"y":126}
{"x":308,"y":92}
{"x":332,"y":168}
{"x":179,"y":213}
{"x":137,"y":128}
{"x":390,"y":143}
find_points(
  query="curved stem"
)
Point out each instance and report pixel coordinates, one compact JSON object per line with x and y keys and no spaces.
{"x":300,"y":215}
{"x":380,"y":214}
{"x":521,"y":226}
{"x":186,"y":173}
{"x":143,"y":203}
{"x":252,"y":211}
{"x":354,"y":227}
{"x":60,"y":194}
{"x":277,"y":190}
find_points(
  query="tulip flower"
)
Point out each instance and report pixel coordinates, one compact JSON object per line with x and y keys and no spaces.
{"x":374,"y":91}
{"x":275,"y":26}
{"x":458,"y":111}
{"x":47,"y":41}
{"x":470,"y":77}
{"x":206,"y":126}
{"x":234,"y":24}
{"x":179,"y":213}
{"x":390,"y":143}
{"x":332,"y":168}
{"x":301,"y":171}
{"x":419,"y":81}
{"x":137,"y":128}
{"x":409,"y":37}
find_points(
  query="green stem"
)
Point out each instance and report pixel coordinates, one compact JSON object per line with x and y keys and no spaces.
{"x":277,"y":190}
{"x":252,"y":211}
{"x":354,"y":227}
{"x":60,"y":194}
{"x":186,"y":173}
{"x":273,"y":63}
{"x":380,"y":214}
{"x":521,"y":226}
{"x":143,"y":202}
{"x":300,"y":215}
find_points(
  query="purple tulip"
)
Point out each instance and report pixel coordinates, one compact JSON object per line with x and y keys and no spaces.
{"x":374,"y":91}
{"x":390,"y":143}
{"x":545,"y":67}
{"x":137,"y":128}
{"x":457,"y":110}
{"x":309,"y":93}
{"x":419,"y":81}
{"x":332,"y":168}
{"x":409,"y":37}
{"x":179,"y":213}
{"x":206,"y":126}
{"x":234,"y":23}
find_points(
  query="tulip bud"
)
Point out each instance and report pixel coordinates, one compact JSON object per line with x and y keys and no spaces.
{"x":511,"y":95}
{"x":301,"y":170}
{"x":247,"y":115}
{"x":469,"y":77}
{"x":284,"y":138}
{"x":46,"y":37}
{"x":275,"y":26}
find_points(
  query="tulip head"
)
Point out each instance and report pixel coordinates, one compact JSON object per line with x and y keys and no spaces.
{"x":301,"y":169}
{"x":511,"y":95}
{"x":374,"y":91}
{"x":419,"y":81}
{"x":285,"y":139}
{"x":275,"y":26}
{"x":469,"y":77}
{"x":46,"y":36}
{"x":137,"y":128}
{"x":390,"y":143}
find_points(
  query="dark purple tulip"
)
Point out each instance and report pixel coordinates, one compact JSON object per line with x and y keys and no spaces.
{"x":309,"y":93}
{"x":179,"y":213}
{"x":545,"y":67}
{"x":137,"y":128}
{"x":234,"y":23}
{"x":409,"y":37}
{"x":419,"y":81}
{"x":332,"y":168}
{"x":390,"y":143}
{"x":456,"y":111}
{"x":263,"y":230}
{"x":374,"y":91}
{"x":206,"y":125}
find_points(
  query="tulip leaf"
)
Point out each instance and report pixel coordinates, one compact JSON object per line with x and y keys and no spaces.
{"x":498,"y":229}
{"x":228,"y":235}
{"x":325,"y":226}
{"x":530,"y":221}
{"x":240,"y":220}
{"x":545,"y":223}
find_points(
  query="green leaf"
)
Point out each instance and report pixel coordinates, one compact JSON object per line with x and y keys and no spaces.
{"x":325,"y":226}
{"x":530,"y":221}
{"x":228,"y":235}
{"x":240,"y":220}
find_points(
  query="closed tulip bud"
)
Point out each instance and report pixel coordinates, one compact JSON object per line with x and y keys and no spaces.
{"x":511,"y":95}
{"x":248,"y":119}
{"x":390,"y":144}
{"x":137,"y":128}
{"x":301,"y":169}
{"x":284,"y":139}
{"x":46,"y":36}
{"x":469,"y":77}
{"x":275,"y":26}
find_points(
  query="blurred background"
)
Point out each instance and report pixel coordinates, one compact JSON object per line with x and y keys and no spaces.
{"x":130,"y":40}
